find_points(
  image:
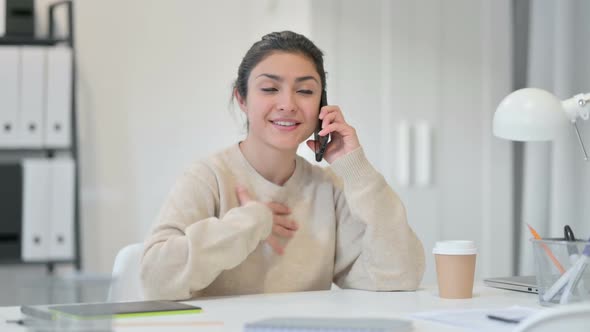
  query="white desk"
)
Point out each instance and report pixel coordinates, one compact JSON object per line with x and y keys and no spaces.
{"x":230,"y":313}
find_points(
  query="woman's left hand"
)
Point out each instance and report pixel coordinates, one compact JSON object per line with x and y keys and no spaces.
{"x":343,"y":138}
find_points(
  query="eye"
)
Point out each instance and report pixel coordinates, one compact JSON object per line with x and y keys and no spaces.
{"x":307,"y":92}
{"x":269,"y":89}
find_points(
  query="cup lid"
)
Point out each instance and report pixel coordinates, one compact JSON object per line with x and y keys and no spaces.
{"x":455,"y":248}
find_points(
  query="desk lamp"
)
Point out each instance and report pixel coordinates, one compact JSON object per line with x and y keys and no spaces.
{"x":536,"y":115}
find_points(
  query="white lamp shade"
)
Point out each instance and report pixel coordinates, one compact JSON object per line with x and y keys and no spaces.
{"x":529,"y":115}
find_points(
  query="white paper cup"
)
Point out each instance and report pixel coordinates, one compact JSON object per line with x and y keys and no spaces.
{"x":455,"y":268}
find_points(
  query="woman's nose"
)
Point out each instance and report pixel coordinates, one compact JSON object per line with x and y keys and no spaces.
{"x":286,"y":102}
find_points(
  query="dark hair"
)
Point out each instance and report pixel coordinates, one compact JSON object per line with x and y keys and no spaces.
{"x":284,"y":41}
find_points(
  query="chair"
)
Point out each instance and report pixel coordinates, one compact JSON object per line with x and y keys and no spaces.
{"x":567,"y":318}
{"x":126,"y":284}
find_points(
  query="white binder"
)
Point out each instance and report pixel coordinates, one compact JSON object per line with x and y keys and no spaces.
{"x":59,"y":91}
{"x":9,"y":60}
{"x":35,"y":220}
{"x":61,"y":209}
{"x":32,"y":96}
{"x":2,"y":18}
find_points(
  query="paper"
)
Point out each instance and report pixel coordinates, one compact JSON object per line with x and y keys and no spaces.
{"x":477,"y":319}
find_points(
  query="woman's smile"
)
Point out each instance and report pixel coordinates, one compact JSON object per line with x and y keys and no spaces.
{"x":285,"y":124}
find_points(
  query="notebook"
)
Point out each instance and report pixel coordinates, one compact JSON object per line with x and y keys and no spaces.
{"x":526,"y":284}
{"x":110,"y":310}
{"x":307,"y":324}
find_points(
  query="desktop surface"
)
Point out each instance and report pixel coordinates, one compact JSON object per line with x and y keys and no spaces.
{"x":231,"y":313}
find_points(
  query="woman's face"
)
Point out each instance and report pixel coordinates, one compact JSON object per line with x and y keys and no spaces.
{"x":283,"y":100}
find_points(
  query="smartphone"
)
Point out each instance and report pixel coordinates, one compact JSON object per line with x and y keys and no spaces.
{"x":321,"y":141}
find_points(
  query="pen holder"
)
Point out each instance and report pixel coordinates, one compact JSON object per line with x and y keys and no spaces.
{"x":562,"y":271}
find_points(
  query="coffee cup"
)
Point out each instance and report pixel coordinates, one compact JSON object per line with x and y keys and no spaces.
{"x":455,"y":268}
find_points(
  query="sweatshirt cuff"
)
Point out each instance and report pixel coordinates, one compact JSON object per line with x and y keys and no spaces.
{"x":263,"y":217}
{"x":354,"y":167}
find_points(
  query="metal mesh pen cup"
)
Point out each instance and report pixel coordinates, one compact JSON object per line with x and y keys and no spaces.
{"x":562,"y":271}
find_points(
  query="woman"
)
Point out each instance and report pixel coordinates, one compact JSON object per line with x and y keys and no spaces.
{"x":257,"y":218}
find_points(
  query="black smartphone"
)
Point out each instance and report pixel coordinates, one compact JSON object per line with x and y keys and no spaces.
{"x":321,"y":141}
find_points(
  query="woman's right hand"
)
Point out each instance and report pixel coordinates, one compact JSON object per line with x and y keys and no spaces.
{"x":282,"y":227}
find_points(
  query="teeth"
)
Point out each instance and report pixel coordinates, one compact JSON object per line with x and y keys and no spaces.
{"x":284,"y":123}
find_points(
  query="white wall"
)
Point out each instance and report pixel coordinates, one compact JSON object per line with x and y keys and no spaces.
{"x":445,"y":65}
{"x":154,"y":86}
{"x":155,"y":80}
{"x":555,"y":175}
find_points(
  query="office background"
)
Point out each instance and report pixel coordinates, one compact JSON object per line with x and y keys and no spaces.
{"x":420,"y":81}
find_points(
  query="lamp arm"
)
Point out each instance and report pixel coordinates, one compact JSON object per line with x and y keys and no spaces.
{"x":576,"y":107}
{"x":581,"y":142}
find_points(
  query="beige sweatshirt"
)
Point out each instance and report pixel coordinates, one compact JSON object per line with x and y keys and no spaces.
{"x":352,"y":231}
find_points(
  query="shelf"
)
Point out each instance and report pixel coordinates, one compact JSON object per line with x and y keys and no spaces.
{"x":20,"y":262}
{"x":11,"y":245}
{"x":17,"y":41}
{"x":5,"y":150}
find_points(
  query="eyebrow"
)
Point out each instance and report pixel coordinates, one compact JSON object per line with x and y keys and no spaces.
{"x":280,"y":79}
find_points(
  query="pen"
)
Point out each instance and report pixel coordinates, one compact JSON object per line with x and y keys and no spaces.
{"x":22,"y":321}
{"x":547,"y":250}
{"x":504,"y":319}
{"x":575,"y":279}
{"x":563,"y":280}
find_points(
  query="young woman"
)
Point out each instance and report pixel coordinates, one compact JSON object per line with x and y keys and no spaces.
{"x":257,"y":218}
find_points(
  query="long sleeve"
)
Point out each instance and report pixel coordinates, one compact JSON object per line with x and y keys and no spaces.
{"x":189,"y":247}
{"x":375,"y":247}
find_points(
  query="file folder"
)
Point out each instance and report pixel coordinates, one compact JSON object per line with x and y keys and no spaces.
{"x":59,"y":97}
{"x":61,"y":209}
{"x":9,"y":78}
{"x":35,"y":222}
{"x":2,"y":18}
{"x":32,"y":96}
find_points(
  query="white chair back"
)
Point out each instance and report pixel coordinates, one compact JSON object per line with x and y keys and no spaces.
{"x":126,"y":285}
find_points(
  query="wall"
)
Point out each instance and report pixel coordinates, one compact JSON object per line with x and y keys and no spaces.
{"x":155,"y":80}
{"x":445,"y":66}
{"x":155,"y":83}
{"x":555,"y":174}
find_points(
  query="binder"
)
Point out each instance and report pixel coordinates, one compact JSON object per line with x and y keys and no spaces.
{"x":9,"y":64}
{"x":61,"y":209}
{"x":32,"y":96}
{"x":59,"y":93}
{"x":35,"y":222}
{"x":2,"y":18}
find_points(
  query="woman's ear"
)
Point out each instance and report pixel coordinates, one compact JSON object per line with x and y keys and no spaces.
{"x":241,"y":101}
